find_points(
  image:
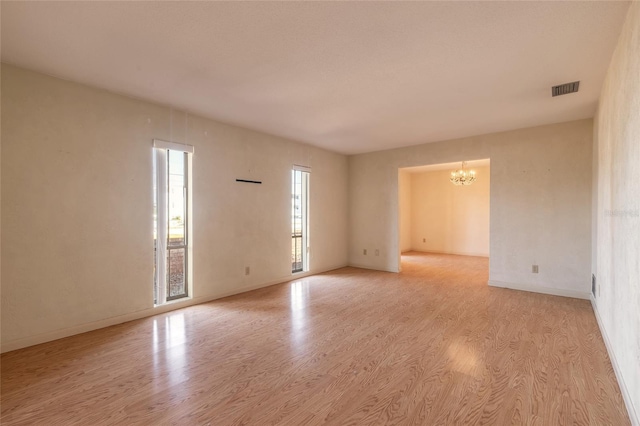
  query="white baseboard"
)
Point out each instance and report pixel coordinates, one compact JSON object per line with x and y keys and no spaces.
{"x":633,"y":416}
{"x":171,"y":306}
{"x":544,"y":290}
{"x":473,"y":254}
{"x":373,"y":268}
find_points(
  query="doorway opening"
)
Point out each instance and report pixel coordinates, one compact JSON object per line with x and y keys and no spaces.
{"x":438,"y":216}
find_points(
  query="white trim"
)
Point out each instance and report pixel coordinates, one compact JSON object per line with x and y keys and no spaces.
{"x":301,"y":168}
{"x":371,"y":267}
{"x":161,"y":222}
{"x":539,"y":289}
{"x":189,"y":182}
{"x":158,"y":143}
{"x":449,"y":252}
{"x":633,"y":416}
{"x":160,"y":309}
{"x":305,"y":219}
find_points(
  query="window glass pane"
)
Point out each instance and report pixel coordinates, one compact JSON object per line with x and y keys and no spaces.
{"x":176,"y":273}
{"x":171,"y":239}
{"x":296,"y":261}
{"x":298,"y":220}
{"x":176,"y":202}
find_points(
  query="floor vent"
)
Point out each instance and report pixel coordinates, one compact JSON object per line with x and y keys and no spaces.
{"x":565,"y":89}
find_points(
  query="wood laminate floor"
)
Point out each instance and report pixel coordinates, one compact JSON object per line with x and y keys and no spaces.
{"x":429,"y":346}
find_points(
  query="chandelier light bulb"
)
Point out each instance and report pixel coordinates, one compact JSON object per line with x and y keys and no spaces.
{"x":462,"y":177}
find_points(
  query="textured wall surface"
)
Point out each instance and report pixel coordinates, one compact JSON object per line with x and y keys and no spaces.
{"x":77,"y":206}
{"x":540,"y":204}
{"x":452,"y":219}
{"x":617,"y":213}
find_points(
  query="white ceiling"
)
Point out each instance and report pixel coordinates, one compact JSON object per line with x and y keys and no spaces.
{"x":347,"y":76}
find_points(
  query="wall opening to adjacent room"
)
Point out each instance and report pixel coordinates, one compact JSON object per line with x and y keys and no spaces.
{"x":438,"y":216}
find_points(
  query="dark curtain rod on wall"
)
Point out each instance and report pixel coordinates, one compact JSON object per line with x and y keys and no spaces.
{"x":249,"y":181}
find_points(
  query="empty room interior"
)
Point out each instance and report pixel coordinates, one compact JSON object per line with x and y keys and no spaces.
{"x":440,"y":218}
{"x":305,"y":213}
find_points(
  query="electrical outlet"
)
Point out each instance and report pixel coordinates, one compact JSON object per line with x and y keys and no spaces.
{"x":247,"y":270}
{"x":593,"y":284}
{"x":377,"y":252}
{"x":534,"y":269}
{"x":364,"y":252}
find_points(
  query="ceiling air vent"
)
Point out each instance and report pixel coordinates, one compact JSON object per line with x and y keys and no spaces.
{"x":565,"y":89}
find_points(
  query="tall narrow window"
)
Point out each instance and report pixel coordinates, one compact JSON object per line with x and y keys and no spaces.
{"x":300,"y":219}
{"x":172,"y":224}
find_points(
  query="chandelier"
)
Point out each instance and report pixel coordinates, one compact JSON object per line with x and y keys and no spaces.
{"x":462,"y":176}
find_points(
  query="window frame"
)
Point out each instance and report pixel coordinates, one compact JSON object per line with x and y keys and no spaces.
{"x":161,"y":222}
{"x":305,"y":175}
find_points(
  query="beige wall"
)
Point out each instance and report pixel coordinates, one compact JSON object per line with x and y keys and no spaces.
{"x":450,"y":219}
{"x":617,"y":211}
{"x":77,"y":206}
{"x":404,"y":202}
{"x":540,"y":204}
